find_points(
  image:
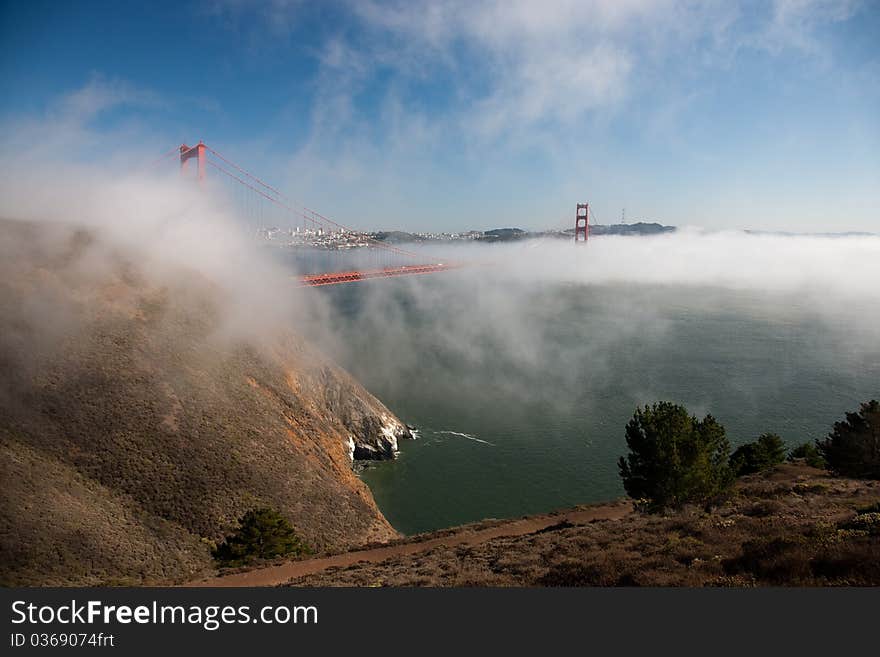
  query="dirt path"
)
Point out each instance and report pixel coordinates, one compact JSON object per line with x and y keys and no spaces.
{"x":273,"y":575}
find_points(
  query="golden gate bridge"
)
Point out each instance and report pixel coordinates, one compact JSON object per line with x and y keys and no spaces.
{"x":265,"y":205}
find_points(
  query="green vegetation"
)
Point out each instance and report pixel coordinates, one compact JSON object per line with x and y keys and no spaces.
{"x":865,"y":524}
{"x":789,"y":526}
{"x":852,"y":448}
{"x":768,"y":450}
{"x":262,"y":534}
{"x":870,"y":508}
{"x":674,"y":457}
{"x":809,"y":453}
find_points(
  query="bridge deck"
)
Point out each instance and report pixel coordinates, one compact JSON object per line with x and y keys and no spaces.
{"x":335,"y":278}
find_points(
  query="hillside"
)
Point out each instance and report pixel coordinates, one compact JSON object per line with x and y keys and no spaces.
{"x":135,"y":429}
{"x":794,"y":525}
{"x":503,"y":235}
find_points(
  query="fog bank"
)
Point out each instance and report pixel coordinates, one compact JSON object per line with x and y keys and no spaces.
{"x":510,"y":300}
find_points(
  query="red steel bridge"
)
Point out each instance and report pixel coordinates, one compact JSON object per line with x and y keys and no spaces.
{"x":326,"y":242}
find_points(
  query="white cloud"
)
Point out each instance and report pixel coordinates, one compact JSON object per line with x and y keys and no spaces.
{"x":792,"y":25}
{"x":517,"y":63}
{"x":67,"y":129}
{"x":100,"y":94}
{"x":547,"y":61}
{"x":507,"y":66}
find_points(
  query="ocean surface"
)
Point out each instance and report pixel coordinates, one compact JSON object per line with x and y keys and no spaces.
{"x":520,"y":391}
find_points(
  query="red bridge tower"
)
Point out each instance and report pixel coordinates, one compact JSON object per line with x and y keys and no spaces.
{"x":582,"y":222}
{"x":189,"y":152}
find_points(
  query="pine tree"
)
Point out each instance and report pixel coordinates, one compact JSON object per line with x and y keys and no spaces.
{"x":262,"y":534}
{"x":853,"y":446}
{"x":674,"y":457}
{"x":768,"y":450}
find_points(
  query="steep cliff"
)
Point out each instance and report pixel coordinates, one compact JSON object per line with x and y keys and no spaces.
{"x":135,"y":430}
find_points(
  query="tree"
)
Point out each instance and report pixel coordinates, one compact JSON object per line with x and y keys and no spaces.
{"x":809,"y":453}
{"x":674,"y":457}
{"x":262,"y":534}
{"x":768,"y":450}
{"x":852,"y":448}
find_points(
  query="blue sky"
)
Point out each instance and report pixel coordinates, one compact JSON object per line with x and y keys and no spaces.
{"x":451,"y":115}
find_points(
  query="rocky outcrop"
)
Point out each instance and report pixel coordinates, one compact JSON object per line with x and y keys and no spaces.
{"x":378,"y":437}
{"x":374,"y":430}
{"x":134,"y":432}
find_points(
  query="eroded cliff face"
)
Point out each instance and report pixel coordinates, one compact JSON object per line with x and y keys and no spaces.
{"x":374,"y":433}
{"x":134,"y":432}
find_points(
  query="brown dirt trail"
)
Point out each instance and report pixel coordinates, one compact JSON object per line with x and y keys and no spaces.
{"x":280,"y":574}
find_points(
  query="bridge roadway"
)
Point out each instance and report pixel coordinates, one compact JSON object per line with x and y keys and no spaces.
{"x":335,"y":278}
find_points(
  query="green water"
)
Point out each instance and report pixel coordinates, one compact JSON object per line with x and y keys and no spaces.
{"x":541,"y":379}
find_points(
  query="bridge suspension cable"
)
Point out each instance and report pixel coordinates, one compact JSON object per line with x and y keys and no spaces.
{"x":283,"y":201}
{"x":414,"y":263}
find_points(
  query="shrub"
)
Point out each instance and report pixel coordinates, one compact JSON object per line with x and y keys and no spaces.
{"x":850,"y":563}
{"x":575,"y":573}
{"x":775,"y":560}
{"x":815,"y":488}
{"x":870,"y":508}
{"x":674,"y":457}
{"x":852,"y":448}
{"x":866,"y":522}
{"x":809,"y":453}
{"x":262,"y":534}
{"x":764,"y":508}
{"x":768,"y":450}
